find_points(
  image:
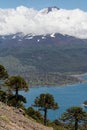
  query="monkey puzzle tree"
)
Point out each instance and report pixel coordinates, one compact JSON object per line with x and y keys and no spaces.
{"x":16,"y":83}
{"x":35,"y":114}
{"x":3,"y":76}
{"x":74,"y":114}
{"x":45,"y":102}
{"x":3,"y":72}
{"x":19,"y":103}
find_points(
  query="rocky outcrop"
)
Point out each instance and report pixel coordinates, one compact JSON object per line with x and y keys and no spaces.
{"x":15,"y":119}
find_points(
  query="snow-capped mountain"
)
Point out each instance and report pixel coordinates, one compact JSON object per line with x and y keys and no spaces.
{"x":25,"y":54}
{"x":55,"y":39}
{"x":50,"y":21}
{"x":49,"y":9}
{"x":51,"y":40}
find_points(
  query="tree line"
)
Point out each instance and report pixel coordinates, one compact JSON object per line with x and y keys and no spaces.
{"x":74,"y":115}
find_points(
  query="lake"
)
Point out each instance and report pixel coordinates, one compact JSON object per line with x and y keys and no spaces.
{"x":66,"y":96}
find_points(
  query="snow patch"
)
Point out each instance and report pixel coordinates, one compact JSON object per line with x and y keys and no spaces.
{"x":53,"y":35}
{"x":14,"y":37}
{"x":43,"y":37}
{"x":29,"y":38}
{"x":38,"y":40}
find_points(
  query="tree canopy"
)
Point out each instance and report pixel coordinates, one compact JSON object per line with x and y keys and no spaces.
{"x":16,"y":83}
{"x":3,"y":72}
{"x":45,"y":102}
{"x":74,"y":114}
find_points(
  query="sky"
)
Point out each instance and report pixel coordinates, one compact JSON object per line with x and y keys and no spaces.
{"x":31,"y":17}
{"x":39,"y":4}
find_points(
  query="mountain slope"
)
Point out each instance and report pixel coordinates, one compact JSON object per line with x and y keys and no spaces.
{"x":41,"y":59}
{"x":60,"y":53}
{"x":13,"y":119}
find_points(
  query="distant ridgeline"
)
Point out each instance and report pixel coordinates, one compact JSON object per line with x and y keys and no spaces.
{"x":44,"y":59}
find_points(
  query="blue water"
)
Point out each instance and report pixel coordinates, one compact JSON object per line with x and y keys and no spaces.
{"x":65,"y":96}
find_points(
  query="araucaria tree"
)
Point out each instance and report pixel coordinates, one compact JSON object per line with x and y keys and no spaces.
{"x":74,"y":115}
{"x":16,"y":83}
{"x":3,"y":76}
{"x":45,"y":102}
{"x":3,"y":72}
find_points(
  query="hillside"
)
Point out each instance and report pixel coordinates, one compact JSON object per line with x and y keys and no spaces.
{"x":61,"y":53}
{"x":14,"y":119}
{"x":42,"y":57}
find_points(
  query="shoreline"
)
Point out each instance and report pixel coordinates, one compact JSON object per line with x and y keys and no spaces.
{"x":49,"y":86}
{"x":78,"y":75}
{"x":81,"y":80}
{"x":84,"y":105}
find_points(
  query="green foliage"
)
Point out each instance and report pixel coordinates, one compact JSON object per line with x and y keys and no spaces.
{"x":3,"y":96}
{"x":74,"y":112}
{"x":34,"y":114}
{"x":12,"y":101}
{"x":3,"y":72}
{"x":16,"y":82}
{"x":45,"y":102}
{"x":57,"y":125}
{"x":76,"y":115}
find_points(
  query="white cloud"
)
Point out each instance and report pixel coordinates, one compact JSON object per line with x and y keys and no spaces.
{"x":23,"y":19}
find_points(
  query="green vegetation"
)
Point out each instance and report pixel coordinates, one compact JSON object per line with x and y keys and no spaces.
{"x":74,"y":117}
{"x":35,"y":61}
{"x":3,"y":72}
{"x":34,"y":77}
{"x":45,"y":102}
{"x":45,"y":58}
{"x":16,"y":83}
{"x":35,"y":114}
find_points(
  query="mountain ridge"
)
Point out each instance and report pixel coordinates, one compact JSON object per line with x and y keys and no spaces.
{"x":44,"y":59}
{"x":43,"y":56}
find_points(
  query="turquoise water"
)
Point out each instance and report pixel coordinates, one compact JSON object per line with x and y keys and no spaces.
{"x":65,"y":96}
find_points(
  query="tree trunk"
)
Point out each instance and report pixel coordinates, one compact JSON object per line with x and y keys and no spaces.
{"x":76,"y":124}
{"x":45,"y":116}
{"x":16,"y":95}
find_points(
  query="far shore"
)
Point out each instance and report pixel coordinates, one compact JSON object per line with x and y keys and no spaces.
{"x":78,"y":75}
{"x":84,"y":105}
